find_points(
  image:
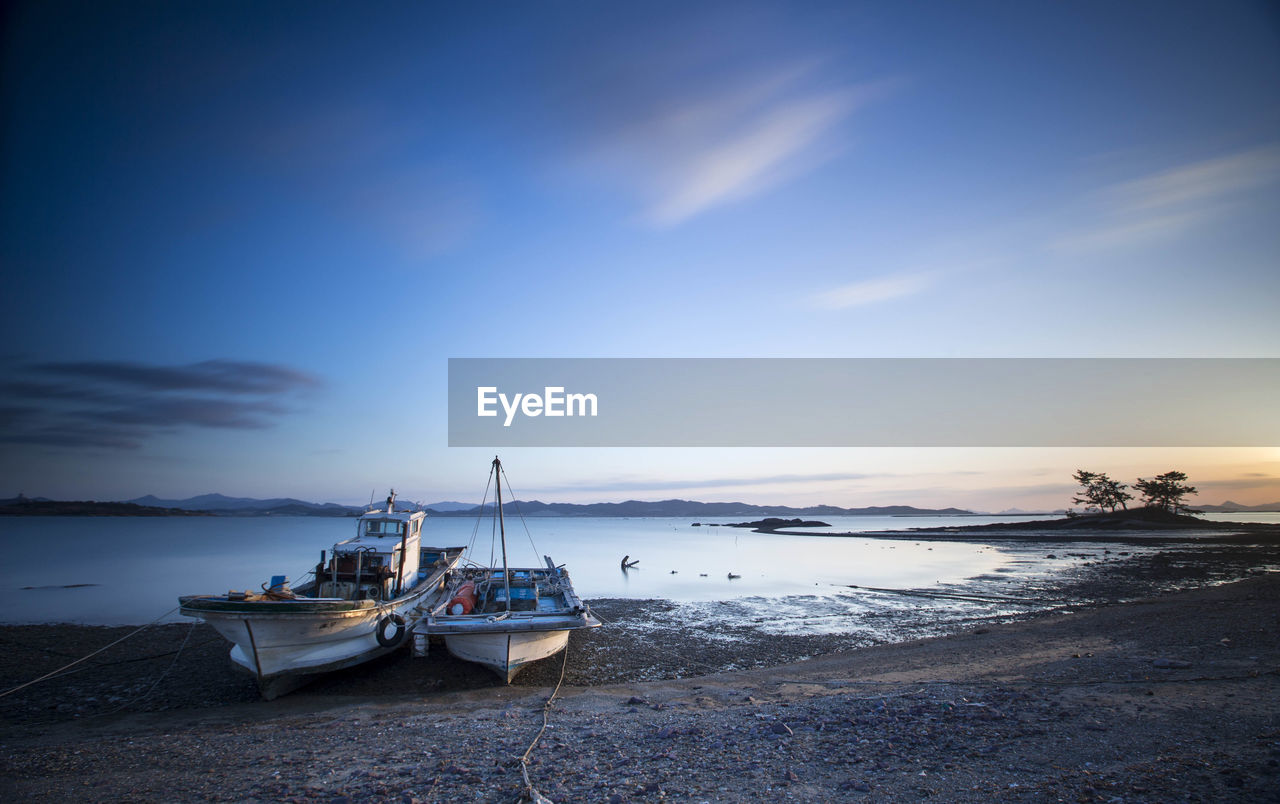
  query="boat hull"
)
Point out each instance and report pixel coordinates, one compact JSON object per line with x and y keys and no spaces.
{"x":272,"y":646}
{"x":507,"y":645}
{"x":285,"y":644}
{"x":507,"y":654}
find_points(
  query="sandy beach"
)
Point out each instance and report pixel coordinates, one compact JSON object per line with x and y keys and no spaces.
{"x":1141,"y":694}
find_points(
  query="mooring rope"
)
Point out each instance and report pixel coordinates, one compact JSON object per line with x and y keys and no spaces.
{"x":163,"y":675}
{"x":114,"y":662}
{"x":47,"y":676}
{"x":530,"y":790}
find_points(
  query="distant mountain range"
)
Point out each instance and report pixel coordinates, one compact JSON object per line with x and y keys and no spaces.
{"x":693,"y":508}
{"x":286,"y":506}
{"x":1230,"y":507}
{"x":451,"y":506}
{"x":248,"y":506}
{"x":222,"y":505}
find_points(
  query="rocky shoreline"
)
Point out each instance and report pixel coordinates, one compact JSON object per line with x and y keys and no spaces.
{"x":1173,"y":697}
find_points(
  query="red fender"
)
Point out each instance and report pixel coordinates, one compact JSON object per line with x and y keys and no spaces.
{"x":464,"y":600}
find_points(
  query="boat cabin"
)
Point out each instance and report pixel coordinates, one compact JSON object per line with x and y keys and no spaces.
{"x":379,"y":562}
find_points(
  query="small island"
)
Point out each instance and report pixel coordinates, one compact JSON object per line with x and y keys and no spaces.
{"x":1145,"y":518}
{"x":1163,"y":517}
{"x":772,"y":524}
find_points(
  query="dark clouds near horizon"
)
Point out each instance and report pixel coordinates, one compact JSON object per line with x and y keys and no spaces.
{"x":121,"y":404}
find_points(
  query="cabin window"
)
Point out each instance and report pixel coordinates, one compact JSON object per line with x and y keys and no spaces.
{"x":384,"y":527}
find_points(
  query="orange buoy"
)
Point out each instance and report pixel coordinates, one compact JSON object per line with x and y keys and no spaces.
{"x":464,"y":600}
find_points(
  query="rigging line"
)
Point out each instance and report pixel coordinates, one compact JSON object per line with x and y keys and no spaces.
{"x":534,"y":795}
{"x":493,"y":522}
{"x":91,"y":655}
{"x":493,"y":533}
{"x":475,"y":530}
{"x":519,"y":513}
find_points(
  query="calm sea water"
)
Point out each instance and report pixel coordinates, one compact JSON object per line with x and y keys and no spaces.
{"x":1270,"y":518}
{"x":135,"y":568}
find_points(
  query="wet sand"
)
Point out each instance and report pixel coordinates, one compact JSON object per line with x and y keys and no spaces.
{"x":1169,"y":696}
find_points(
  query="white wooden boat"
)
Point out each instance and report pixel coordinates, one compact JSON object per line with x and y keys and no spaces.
{"x":361,"y":604}
{"x":505,"y":618}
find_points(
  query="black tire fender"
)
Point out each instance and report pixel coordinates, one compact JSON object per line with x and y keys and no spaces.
{"x":396,"y":637}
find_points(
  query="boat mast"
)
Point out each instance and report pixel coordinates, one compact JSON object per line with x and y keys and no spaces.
{"x":506,"y":573}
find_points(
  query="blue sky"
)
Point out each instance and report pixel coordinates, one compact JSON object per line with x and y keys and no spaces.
{"x":241,"y":242}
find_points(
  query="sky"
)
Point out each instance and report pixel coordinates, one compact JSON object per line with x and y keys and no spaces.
{"x":240,"y":241}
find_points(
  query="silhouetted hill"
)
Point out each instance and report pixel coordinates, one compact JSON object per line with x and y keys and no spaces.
{"x":42,"y":507}
{"x":1230,"y":507}
{"x":223,"y":505}
{"x":451,"y":505}
{"x":637,"y":508}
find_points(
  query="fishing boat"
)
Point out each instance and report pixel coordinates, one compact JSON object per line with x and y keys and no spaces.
{"x":360,"y":603}
{"x":506,"y":618}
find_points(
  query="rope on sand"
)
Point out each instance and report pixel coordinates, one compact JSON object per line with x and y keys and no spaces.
{"x":177,"y":654}
{"x":112,"y":663}
{"x":50,"y":675}
{"x":530,"y":790}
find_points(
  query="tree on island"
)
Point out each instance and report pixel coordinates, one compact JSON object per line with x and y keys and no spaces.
{"x":1167,"y":491}
{"x":1099,"y":491}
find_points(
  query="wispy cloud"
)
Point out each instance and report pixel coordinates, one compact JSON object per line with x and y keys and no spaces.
{"x":1204,"y":181}
{"x":760,"y":154}
{"x":229,"y":376}
{"x":872,"y":291}
{"x":119,"y":404}
{"x":1167,"y":203}
{"x":703,"y":147}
